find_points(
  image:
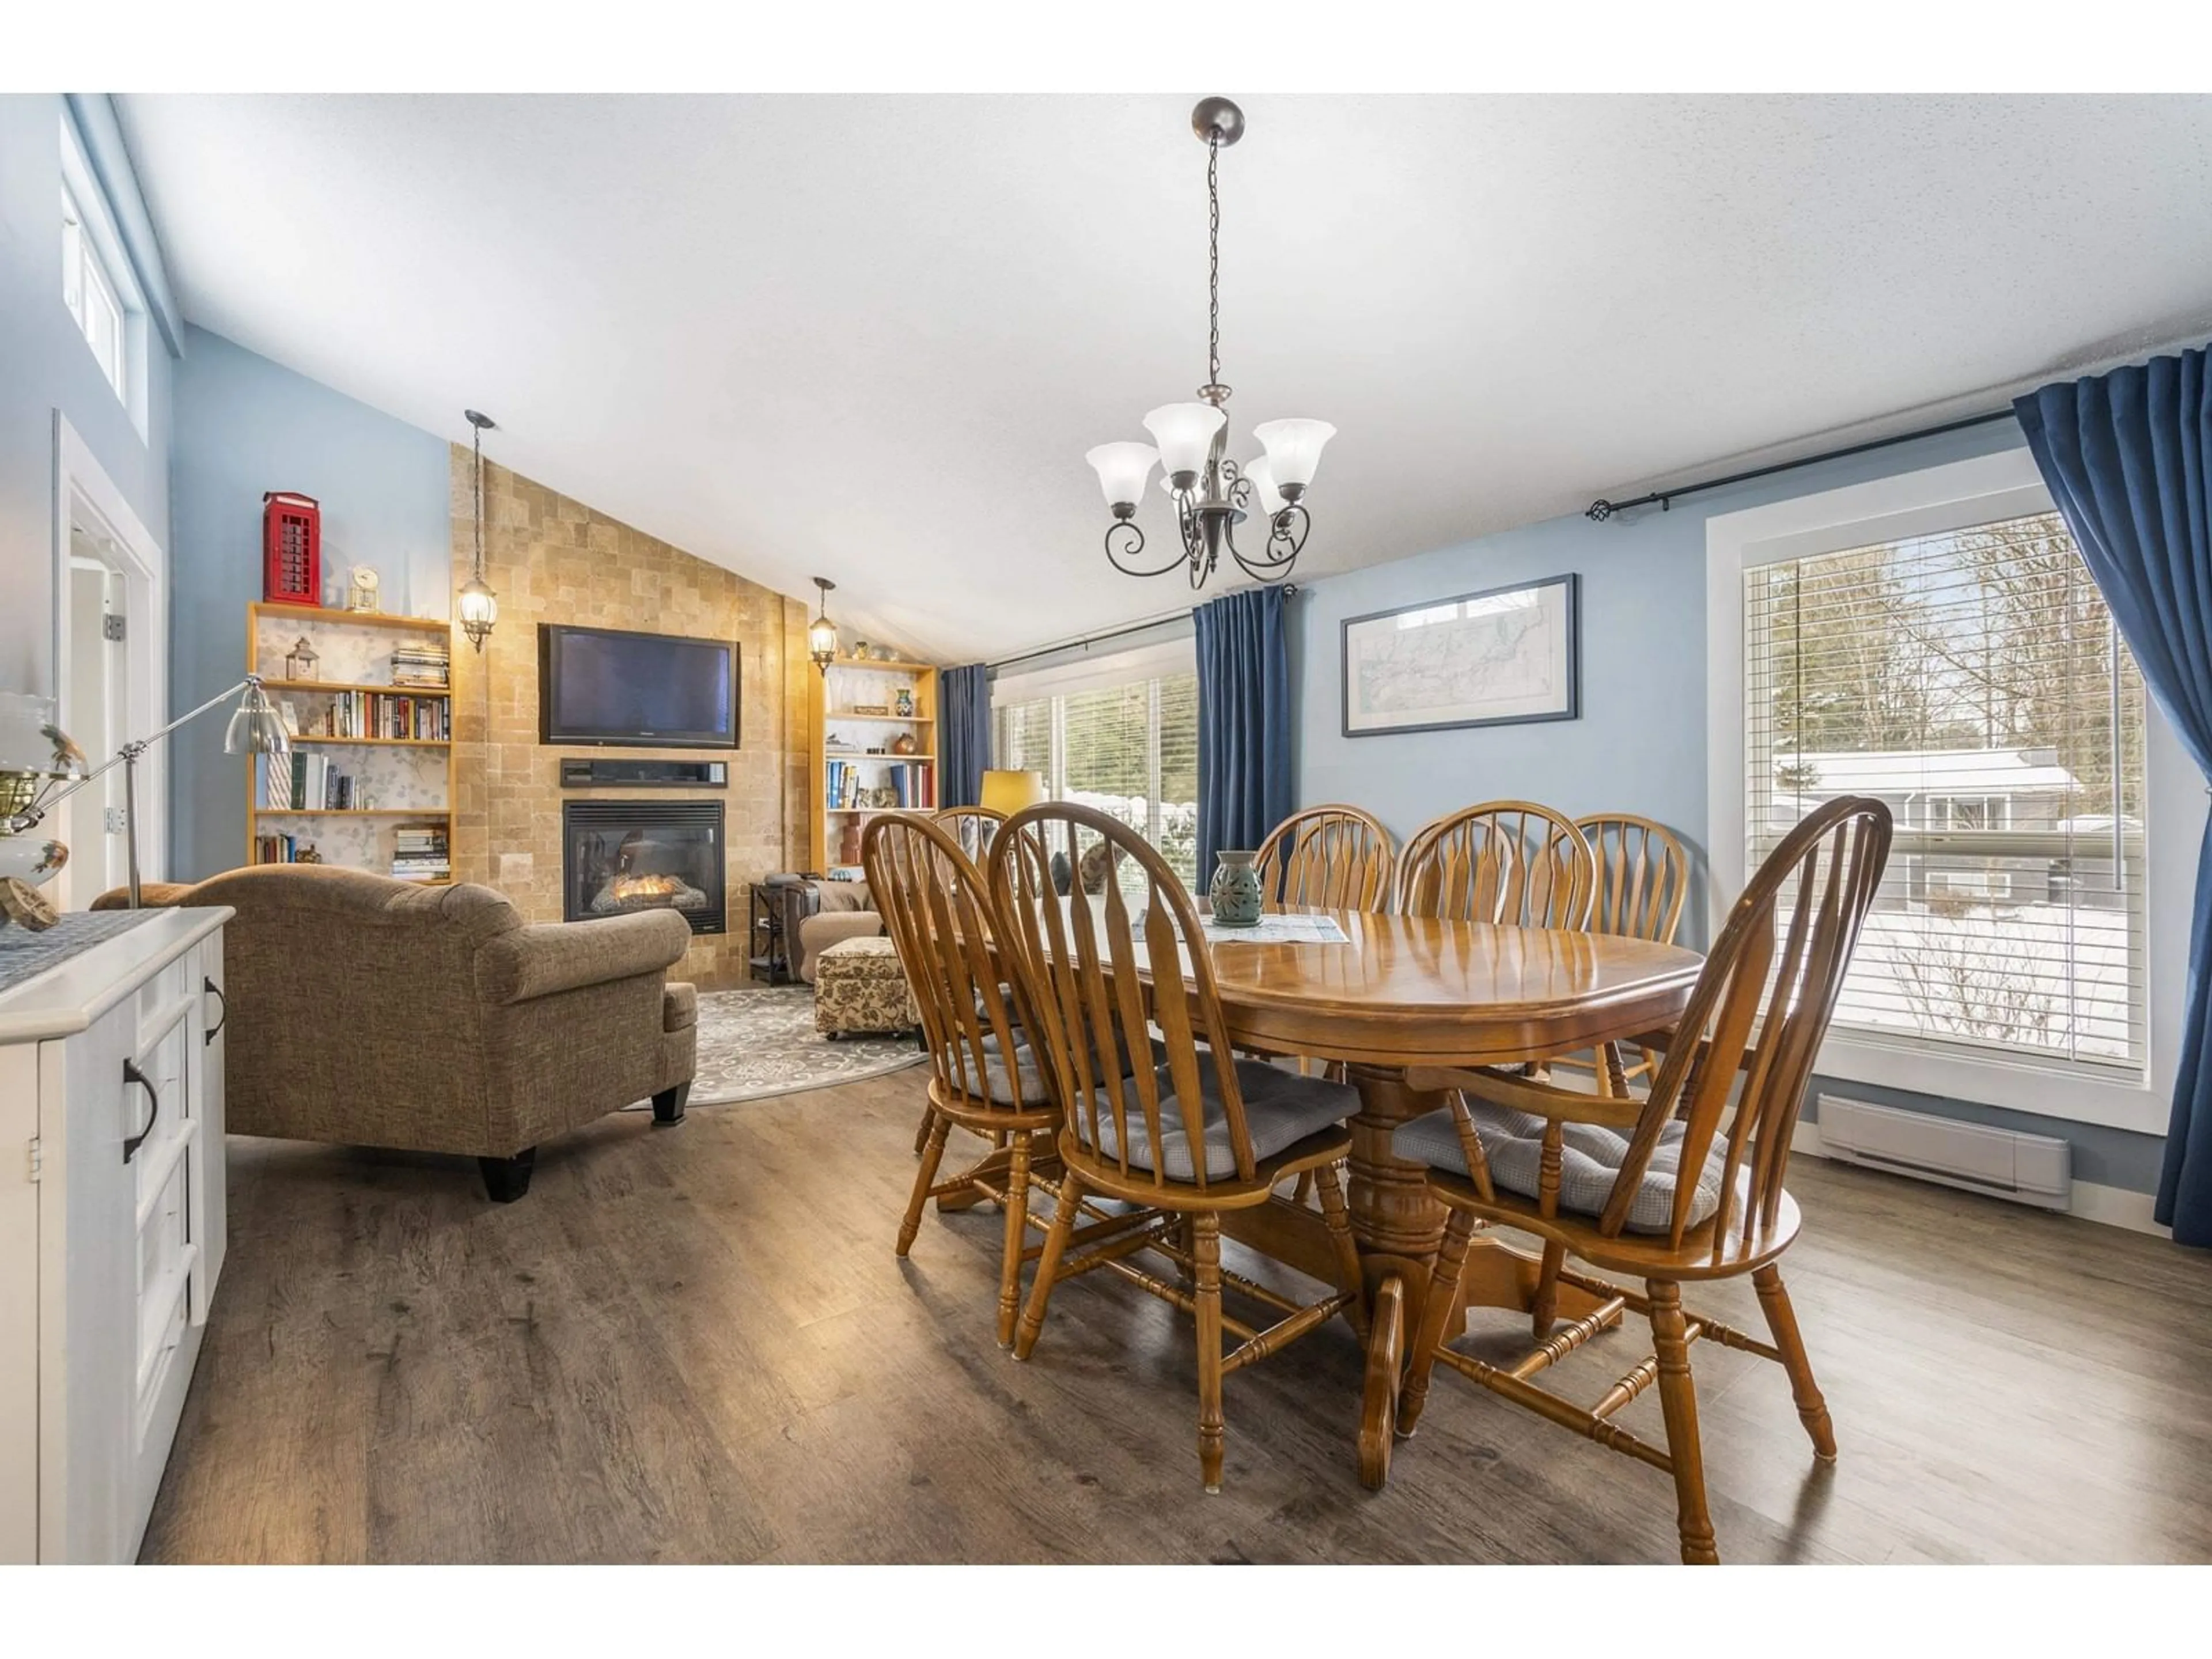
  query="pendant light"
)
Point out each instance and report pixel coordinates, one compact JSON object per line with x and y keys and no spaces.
{"x":479,"y":605}
{"x":822,"y":633}
{"x":1190,"y":441}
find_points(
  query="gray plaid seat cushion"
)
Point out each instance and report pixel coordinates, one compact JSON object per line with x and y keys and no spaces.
{"x":1028,"y":1086}
{"x":1590,"y":1156}
{"x":1281,"y":1109}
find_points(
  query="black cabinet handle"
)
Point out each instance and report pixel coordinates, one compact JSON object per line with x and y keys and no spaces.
{"x":132,"y":1074}
{"x":222,"y":1018}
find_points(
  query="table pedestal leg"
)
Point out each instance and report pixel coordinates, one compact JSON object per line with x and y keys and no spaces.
{"x":1398,"y":1227}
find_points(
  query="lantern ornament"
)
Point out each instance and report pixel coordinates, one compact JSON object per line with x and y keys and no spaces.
{"x":300,"y":661}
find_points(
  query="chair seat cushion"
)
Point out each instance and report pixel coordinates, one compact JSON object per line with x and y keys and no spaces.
{"x":1027,"y":1086}
{"x":1281,"y":1109}
{"x":1590,"y":1156}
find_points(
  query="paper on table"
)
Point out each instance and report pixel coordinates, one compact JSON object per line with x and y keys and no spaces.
{"x":1271,"y":929}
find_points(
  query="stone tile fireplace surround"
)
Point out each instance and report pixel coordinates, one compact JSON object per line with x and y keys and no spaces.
{"x":552,"y":559}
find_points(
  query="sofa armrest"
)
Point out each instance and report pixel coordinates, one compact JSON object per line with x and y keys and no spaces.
{"x":153,"y":895}
{"x":537,"y":961}
{"x":679,"y":1006}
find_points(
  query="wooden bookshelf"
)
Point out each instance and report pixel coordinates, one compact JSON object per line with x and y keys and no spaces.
{"x":866,"y":739}
{"x":355,"y":647}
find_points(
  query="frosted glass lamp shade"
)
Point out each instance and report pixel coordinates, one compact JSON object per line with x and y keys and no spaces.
{"x":1293,"y":452}
{"x":1265,"y":496}
{"x":1184,"y":433}
{"x":1122,"y":469}
{"x":822,"y":641}
{"x":479,"y":610}
{"x":1008,"y":792}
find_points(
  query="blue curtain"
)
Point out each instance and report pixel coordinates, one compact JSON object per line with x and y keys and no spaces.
{"x":964,"y":714}
{"x":2126,"y":456}
{"x":1243,"y":720}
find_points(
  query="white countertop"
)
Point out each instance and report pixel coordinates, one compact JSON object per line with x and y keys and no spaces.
{"x":66,"y":999}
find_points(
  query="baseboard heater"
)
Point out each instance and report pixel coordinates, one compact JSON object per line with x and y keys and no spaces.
{"x":2036,"y":1169}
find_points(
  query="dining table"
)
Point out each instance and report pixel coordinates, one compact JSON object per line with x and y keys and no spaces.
{"x":1401,"y":992}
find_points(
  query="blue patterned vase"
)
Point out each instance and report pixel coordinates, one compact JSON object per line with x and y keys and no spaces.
{"x":1236,"y":891}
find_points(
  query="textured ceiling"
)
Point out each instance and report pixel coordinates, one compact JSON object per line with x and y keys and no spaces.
{"x":871,"y":338}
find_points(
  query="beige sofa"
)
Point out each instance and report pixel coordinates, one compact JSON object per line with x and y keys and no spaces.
{"x":365,"y":1012}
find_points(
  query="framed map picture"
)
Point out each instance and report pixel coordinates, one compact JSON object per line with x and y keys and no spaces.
{"x":1496,"y":657}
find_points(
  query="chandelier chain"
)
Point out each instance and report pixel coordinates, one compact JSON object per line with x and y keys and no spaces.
{"x":478,"y":434}
{"x":1213,"y":260}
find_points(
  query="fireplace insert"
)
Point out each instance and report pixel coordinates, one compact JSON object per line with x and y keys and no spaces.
{"x":623,"y":855}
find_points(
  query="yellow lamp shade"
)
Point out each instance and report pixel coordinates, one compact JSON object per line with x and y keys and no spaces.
{"x":1008,"y":792}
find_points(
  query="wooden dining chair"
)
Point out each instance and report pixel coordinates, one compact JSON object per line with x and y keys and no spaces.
{"x":1642,"y":883}
{"x":1683,"y":1186}
{"x":936,"y":908}
{"x":1332,"y":858}
{"x":1204,"y":1134}
{"x":1507,"y":862}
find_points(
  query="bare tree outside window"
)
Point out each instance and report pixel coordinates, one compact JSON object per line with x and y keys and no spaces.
{"x":1974,"y":682}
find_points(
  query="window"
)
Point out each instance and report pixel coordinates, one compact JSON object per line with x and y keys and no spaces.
{"x":98,"y":285}
{"x":90,"y":294}
{"x":1120,"y":735}
{"x":1972,"y":679}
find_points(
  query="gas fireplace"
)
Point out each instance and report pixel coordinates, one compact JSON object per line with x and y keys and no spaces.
{"x":623,"y":855}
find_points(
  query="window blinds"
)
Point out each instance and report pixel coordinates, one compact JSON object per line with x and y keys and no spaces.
{"x":1124,"y":743}
{"x":1972,"y":681}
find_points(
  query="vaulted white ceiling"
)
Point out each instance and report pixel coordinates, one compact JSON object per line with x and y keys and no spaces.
{"x":871,"y":337}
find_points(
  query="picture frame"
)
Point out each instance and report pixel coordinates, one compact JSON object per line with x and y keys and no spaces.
{"x":1501,"y":656}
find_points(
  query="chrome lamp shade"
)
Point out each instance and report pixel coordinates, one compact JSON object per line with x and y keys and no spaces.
{"x":256,"y":728}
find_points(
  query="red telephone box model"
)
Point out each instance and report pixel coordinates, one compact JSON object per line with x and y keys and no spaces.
{"x":291,"y":549}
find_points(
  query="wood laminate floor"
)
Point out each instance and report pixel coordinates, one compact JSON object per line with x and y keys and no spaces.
{"x":697,"y":1345}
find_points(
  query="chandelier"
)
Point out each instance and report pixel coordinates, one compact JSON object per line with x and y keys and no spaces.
{"x":1212,"y":495}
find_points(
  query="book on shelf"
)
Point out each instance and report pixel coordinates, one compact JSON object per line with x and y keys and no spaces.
{"x":384,"y":714}
{"x":301,"y":781}
{"x":422,"y":664}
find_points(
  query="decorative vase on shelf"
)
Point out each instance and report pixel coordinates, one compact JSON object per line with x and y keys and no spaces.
{"x":848,"y":845}
{"x":1236,"y":891}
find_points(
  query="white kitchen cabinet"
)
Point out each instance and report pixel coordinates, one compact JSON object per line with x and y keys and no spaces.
{"x":112,"y":1226}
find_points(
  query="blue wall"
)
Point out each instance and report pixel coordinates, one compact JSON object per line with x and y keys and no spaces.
{"x":1640,"y":743}
{"x":46,"y":366}
{"x":244,"y":425}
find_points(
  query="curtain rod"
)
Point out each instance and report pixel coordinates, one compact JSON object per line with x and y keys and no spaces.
{"x":1083,"y":642}
{"x":1600,"y":510}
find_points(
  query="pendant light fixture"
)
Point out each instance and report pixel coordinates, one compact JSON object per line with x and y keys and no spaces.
{"x":822,"y":633}
{"x":479,"y":605}
{"x":1211,"y":495}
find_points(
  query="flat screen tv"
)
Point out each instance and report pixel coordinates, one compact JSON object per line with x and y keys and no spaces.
{"x":611,"y":687}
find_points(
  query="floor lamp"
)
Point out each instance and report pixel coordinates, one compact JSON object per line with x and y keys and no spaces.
{"x":255,"y":729}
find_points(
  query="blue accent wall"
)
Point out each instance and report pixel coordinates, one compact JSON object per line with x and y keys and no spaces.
{"x":46,"y":367}
{"x":1640,"y":743}
{"x":244,"y":425}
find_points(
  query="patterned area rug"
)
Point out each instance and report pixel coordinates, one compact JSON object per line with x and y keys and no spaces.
{"x":755,"y":1044}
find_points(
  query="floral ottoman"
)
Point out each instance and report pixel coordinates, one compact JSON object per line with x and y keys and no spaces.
{"x":859,"y":986}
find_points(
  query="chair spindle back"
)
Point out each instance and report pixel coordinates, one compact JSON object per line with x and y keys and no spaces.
{"x":1078,"y":957}
{"x":1511,"y":861}
{"x":1333,"y":857}
{"x":972,"y":827}
{"x":1758,"y":1011}
{"x":936,"y":907}
{"x":1643,"y":876}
